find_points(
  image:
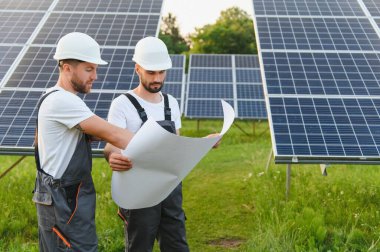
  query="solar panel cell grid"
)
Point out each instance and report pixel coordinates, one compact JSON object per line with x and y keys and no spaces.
{"x":322,"y":73}
{"x":308,"y":7}
{"x":17,"y":27}
{"x":336,"y":127}
{"x":211,"y":75}
{"x":246,"y":61}
{"x":29,"y":5}
{"x":139,"y":6}
{"x":7,"y":56}
{"x":203,"y":61}
{"x":106,"y":29}
{"x":373,"y":7}
{"x":317,"y":33}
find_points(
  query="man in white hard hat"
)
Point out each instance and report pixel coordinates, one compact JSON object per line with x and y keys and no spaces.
{"x":165,"y":221}
{"x":64,"y":191}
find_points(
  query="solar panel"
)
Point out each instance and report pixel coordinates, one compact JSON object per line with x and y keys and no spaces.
{"x":234,"y":78}
{"x":28,"y":35}
{"x":107,"y":29}
{"x":307,"y":8}
{"x":175,"y":79}
{"x":30,"y":5}
{"x":139,"y":6}
{"x":321,"y":62}
{"x":8,"y":55}
{"x":373,"y":7}
{"x":16,"y":27}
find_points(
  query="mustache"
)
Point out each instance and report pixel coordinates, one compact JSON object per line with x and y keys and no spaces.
{"x":156,"y":82}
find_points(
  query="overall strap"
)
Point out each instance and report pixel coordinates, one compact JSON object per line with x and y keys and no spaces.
{"x":140,"y":110}
{"x":36,"y":153}
{"x":168,"y":111}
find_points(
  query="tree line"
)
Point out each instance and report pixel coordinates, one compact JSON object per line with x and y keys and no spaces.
{"x":232,"y":33}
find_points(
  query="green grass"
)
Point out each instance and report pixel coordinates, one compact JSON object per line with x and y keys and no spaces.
{"x":231,"y":202}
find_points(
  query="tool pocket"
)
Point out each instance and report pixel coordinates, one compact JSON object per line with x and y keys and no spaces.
{"x":43,"y":198}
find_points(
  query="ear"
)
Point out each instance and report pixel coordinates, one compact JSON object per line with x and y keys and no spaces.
{"x":138,"y":69}
{"x":66,"y":67}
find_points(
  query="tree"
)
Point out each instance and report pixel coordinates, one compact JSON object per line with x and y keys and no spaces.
{"x":232,"y":33}
{"x":170,"y":34}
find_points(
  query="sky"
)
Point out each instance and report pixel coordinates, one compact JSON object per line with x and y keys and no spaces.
{"x":197,"y":13}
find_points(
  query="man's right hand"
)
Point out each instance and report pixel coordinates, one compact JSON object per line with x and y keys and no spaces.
{"x":119,"y":162}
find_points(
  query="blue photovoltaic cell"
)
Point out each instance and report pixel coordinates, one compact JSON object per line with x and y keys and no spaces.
{"x":17,"y":27}
{"x":322,"y":76}
{"x":18,"y":115}
{"x":174,"y":75}
{"x":209,"y":90}
{"x":106,"y":29}
{"x":247,"y":61}
{"x":249,"y":91}
{"x":8,"y":55}
{"x":339,"y":127}
{"x":322,"y":73}
{"x":38,"y":69}
{"x":211,"y":75}
{"x":205,"y":108}
{"x":116,"y":25}
{"x":138,"y":6}
{"x":174,"y":82}
{"x":248,"y":75}
{"x":373,"y":7}
{"x":229,"y":77}
{"x":28,"y":5}
{"x":308,"y":7}
{"x":17,"y":118}
{"x":252,"y":109}
{"x":317,"y":33}
{"x":204,"y":61}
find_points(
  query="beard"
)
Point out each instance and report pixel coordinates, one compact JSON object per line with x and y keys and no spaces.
{"x":149,"y":86}
{"x":79,"y":85}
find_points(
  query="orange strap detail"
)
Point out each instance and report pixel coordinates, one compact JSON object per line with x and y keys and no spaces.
{"x":76,"y":204}
{"x":122,"y":217}
{"x":61,"y":236}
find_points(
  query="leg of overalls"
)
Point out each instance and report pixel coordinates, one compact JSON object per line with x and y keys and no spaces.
{"x":172,"y":233}
{"x":142,"y":227}
{"x":48,"y":241}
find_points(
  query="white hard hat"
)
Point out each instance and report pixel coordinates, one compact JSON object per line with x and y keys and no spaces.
{"x":79,"y":46}
{"x":151,"y":53}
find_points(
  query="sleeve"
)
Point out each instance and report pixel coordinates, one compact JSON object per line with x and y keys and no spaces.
{"x":67,"y":109}
{"x":116,"y":114}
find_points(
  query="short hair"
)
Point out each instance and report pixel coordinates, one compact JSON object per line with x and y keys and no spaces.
{"x":73,"y":62}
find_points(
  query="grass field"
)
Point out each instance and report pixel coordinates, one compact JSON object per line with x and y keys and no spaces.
{"x":231,"y":202}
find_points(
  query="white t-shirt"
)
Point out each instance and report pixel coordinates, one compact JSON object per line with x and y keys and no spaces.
{"x":57,"y":137}
{"x":123,"y":114}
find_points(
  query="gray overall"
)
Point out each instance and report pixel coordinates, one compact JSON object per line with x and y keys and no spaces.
{"x":66,"y":206}
{"x":165,"y":221}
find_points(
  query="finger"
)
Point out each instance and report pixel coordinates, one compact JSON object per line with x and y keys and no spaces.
{"x":120,"y":167}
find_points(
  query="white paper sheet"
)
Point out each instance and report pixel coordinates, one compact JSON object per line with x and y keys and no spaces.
{"x":160,"y":161}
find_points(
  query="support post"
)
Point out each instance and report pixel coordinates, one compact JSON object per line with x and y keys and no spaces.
{"x":269,"y":160}
{"x":11,"y":167}
{"x":288,"y":174}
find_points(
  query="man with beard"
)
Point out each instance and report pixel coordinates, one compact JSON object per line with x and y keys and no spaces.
{"x":165,"y":221}
{"x":64,"y":191}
